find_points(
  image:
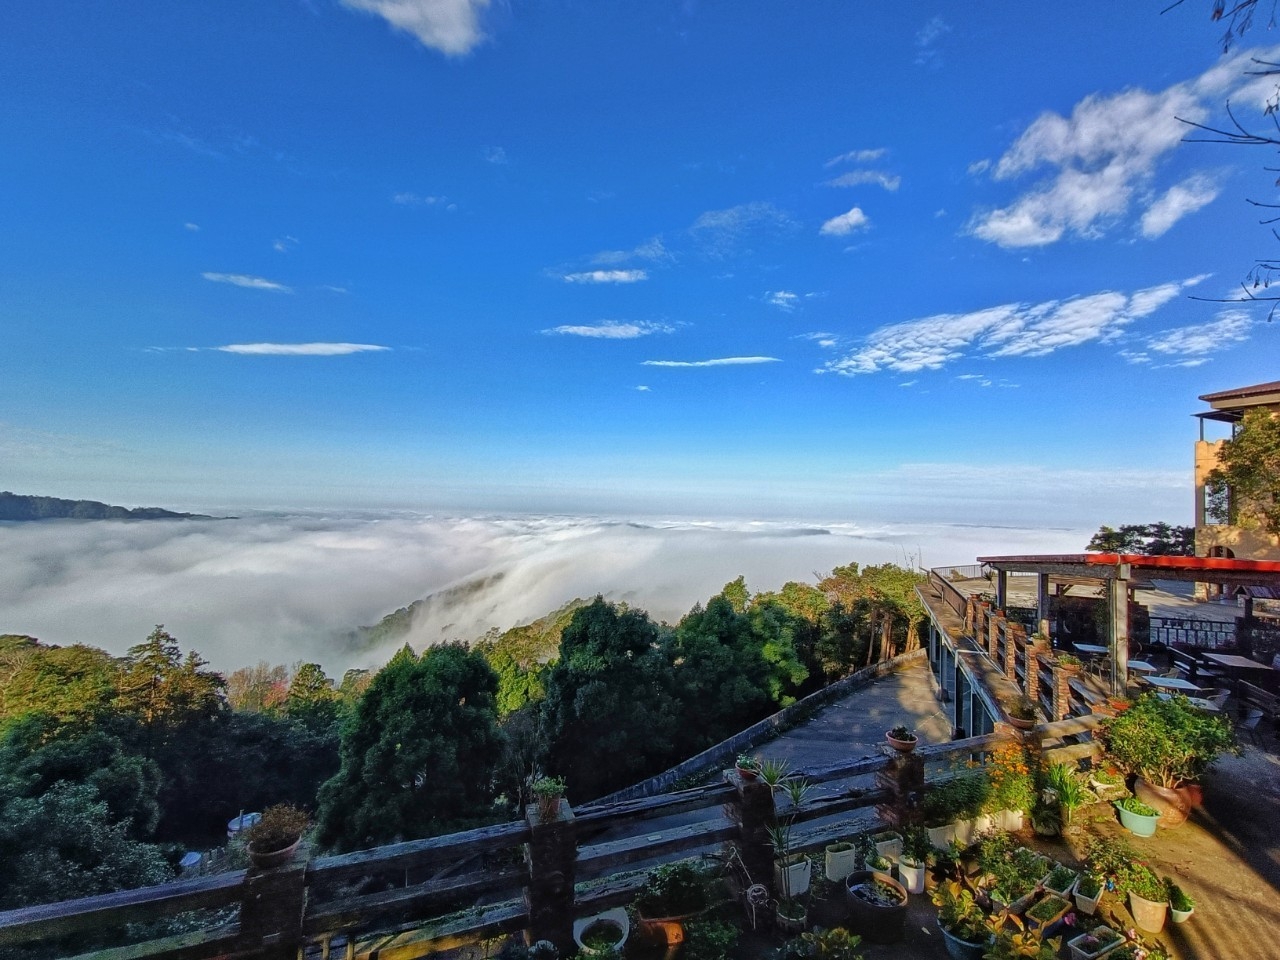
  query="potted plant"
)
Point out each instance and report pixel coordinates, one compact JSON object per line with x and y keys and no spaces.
{"x":877,"y":906}
{"x":1107,"y":782}
{"x":1014,"y":940}
{"x":792,"y":870}
{"x":1012,"y":788}
{"x":1097,"y":943}
{"x":888,"y":843}
{"x":1047,"y":912}
{"x":1061,"y":880}
{"x":961,"y":920}
{"x":1168,"y":745}
{"x":547,"y":794}
{"x":912,"y":862}
{"x":1181,"y":906}
{"x":902,"y":738}
{"x":792,"y":915}
{"x":748,"y":767}
{"x":671,"y":894}
{"x":1011,"y":874}
{"x":1068,"y":790}
{"x":841,"y":860}
{"x":948,"y":807}
{"x":1138,"y":818}
{"x":1148,"y":895}
{"x":1087,"y":893}
{"x":603,"y":934}
{"x":272,"y":841}
{"x":1020,"y":711}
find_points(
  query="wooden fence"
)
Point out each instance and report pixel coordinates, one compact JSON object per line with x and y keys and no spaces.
{"x":389,"y":903}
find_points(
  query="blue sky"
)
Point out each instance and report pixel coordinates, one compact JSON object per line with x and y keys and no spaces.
{"x":830,"y":259}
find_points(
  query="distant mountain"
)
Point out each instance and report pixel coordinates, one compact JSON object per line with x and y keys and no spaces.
{"x":15,"y":506}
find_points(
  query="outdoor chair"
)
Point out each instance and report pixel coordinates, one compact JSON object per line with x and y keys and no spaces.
{"x":1217,"y":697}
{"x":1173,"y":673}
{"x":1251,"y":725}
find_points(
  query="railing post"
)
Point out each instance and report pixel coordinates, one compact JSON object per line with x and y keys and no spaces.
{"x":1016,"y":638}
{"x":271,"y":909}
{"x":903,"y":780}
{"x":751,"y":808}
{"x":1062,"y":674}
{"x":553,"y":858}
{"x":993,"y":635}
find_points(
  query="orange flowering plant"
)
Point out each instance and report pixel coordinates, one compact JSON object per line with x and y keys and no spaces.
{"x":1012,"y":783}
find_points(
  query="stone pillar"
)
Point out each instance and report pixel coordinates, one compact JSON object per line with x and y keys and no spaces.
{"x":751,"y":808}
{"x":903,"y":779}
{"x":993,"y":635}
{"x":1062,"y":674}
{"x":1014,"y":637}
{"x":1002,"y":589}
{"x":271,"y":908}
{"x":1042,"y":604}
{"x":1118,"y":604}
{"x":553,"y":855}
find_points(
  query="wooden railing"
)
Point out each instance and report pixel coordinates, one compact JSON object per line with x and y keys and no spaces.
{"x":952,"y":597}
{"x":527,"y":875}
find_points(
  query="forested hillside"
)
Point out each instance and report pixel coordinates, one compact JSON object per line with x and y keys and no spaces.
{"x":111,"y":767}
{"x":14,"y":506}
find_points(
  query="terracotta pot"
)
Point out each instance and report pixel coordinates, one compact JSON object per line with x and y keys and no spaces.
{"x":902,"y":746}
{"x":1019,"y":724}
{"x":269,"y":859}
{"x":1171,"y":804}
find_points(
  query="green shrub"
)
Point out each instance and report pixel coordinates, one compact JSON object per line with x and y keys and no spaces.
{"x":1167,"y":742}
{"x":710,"y":940}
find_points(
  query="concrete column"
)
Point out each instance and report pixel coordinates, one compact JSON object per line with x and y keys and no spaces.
{"x":1118,"y":603}
{"x":993,"y":635}
{"x":751,"y":808}
{"x":1002,"y":589}
{"x":1010,"y":665}
{"x":553,"y":856}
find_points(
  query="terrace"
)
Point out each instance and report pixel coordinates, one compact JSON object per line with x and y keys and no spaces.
{"x":470,"y":892}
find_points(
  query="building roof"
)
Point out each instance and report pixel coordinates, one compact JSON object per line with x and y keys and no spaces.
{"x":1242,"y":393}
{"x":1224,"y":570}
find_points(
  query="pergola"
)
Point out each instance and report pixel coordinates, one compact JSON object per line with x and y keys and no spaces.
{"x":1119,"y":573}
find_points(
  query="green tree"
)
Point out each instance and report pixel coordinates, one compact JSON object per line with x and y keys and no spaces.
{"x":258,"y":688}
{"x":418,"y":753}
{"x":1151,"y":539}
{"x":609,"y":714}
{"x":161,"y":687}
{"x":74,"y":685}
{"x":1244,"y":490}
{"x":312,"y":699}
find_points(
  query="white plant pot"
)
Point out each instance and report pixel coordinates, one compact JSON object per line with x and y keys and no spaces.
{"x":796,"y":881}
{"x":840,"y":864}
{"x":617,"y":916}
{"x":1087,"y":905}
{"x":964,"y":832}
{"x":1181,"y":916}
{"x":911,"y":877}
{"x":892,"y":849}
{"x":1009,"y":821}
{"x":942,"y":836}
{"x":983,"y":823}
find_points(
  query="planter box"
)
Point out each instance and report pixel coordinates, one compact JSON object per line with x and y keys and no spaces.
{"x":1010,"y":821}
{"x":983,"y":823}
{"x":1080,"y":952}
{"x":888,"y":844}
{"x":911,"y":877}
{"x":1066,"y":891}
{"x":1060,"y":909}
{"x":1017,"y":906}
{"x":796,"y":881}
{"x":840,"y":863}
{"x":942,"y":836}
{"x":1088,"y":905}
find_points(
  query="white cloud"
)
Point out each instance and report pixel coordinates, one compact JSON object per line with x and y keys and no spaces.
{"x":332,"y":289}
{"x":858,"y":156}
{"x":420,"y":200}
{"x":1008,"y":330}
{"x":450,"y":26}
{"x":827,"y":341}
{"x":193,"y":227}
{"x":845,"y":224}
{"x":649,"y":250}
{"x":495,"y":155}
{"x":242,"y":280}
{"x":606,"y":276}
{"x":284,"y":244}
{"x":1227,"y":329}
{"x":300,"y":349}
{"x":853,"y":178}
{"x":643,"y":389}
{"x":927,"y":40}
{"x":610,"y":330}
{"x":720,"y":231}
{"x":1102,"y":158}
{"x":782,"y":299}
{"x":718,"y":362}
{"x":1180,"y":200}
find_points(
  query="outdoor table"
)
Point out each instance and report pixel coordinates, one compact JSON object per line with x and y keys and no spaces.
{"x":1141,"y":666}
{"x":1173,"y":683}
{"x":1092,"y":649}
{"x":1233,"y":661}
{"x":1207,"y":705}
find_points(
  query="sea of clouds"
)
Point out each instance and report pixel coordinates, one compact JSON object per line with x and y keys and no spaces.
{"x":284,"y":588}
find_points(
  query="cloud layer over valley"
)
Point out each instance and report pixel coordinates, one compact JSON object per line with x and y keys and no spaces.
{"x":284,"y":588}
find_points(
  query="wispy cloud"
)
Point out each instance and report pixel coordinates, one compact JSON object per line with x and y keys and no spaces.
{"x":854,"y":178}
{"x":927,"y":40}
{"x":1008,"y":330}
{"x":828,"y":341}
{"x":409,"y":199}
{"x":720,"y":232}
{"x":1191,"y":345}
{"x":845,"y":224}
{"x":782,"y":299}
{"x":1103,"y":157}
{"x":1178,"y":201}
{"x":643,"y":389}
{"x":495,"y":155}
{"x":193,"y":227}
{"x":858,"y":156}
{"x":285,"y":244}
{"x":606,"y":276}
{"x":718,"y":362}
{"x":610,"y":330}
{"x":243,"y":280}
{"x":300,"y":349}
{"x":332,"y":289}
{"x":652,"y":250}
{"x":450,"y":26}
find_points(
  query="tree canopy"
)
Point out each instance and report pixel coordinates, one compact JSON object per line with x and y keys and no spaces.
{"x":1244,"y":489}
{"x":1147,"y":539}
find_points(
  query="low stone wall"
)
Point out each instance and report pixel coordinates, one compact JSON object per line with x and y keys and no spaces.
{"x":726,"y":751}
